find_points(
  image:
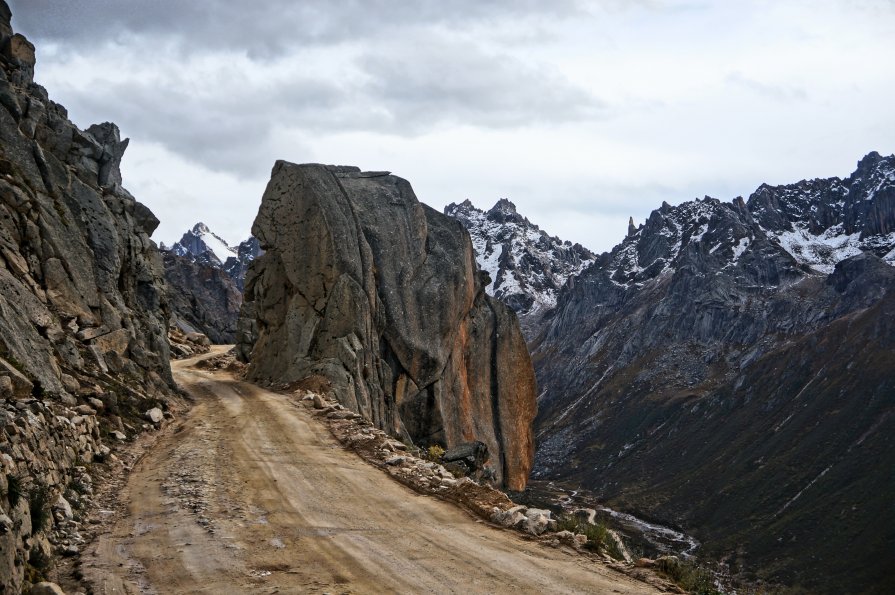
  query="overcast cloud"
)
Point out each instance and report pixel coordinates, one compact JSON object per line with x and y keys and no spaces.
{"x":581,"y":112}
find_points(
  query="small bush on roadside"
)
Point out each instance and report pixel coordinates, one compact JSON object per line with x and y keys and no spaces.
{"x":688,"y":575}
{"x":434,"y":453}
{"x":598,"y":538}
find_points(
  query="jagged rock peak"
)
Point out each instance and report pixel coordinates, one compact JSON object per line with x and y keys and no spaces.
{"x":525,"y":264}
{"x":701,"y":334}
{"x":387,"y":314}
{"x":203,"y":245}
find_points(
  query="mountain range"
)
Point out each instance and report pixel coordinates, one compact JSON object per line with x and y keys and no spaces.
{"x":207,"y":277}
{"x":727,"y":369}
{"x":526,"y":266}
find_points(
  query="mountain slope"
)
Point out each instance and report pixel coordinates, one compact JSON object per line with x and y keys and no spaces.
{"x":203,"y":298}
{"x":708,"y":372}
{"x":526,"y":266}
{"x":83,"y":314}
{"x":205,"y":279}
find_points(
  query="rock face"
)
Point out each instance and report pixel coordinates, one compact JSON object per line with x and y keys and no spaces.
{"x":369,"y":295}
{"x":82,"y":300}
{"x":526,"y":266}
{"x":203,"y":298}
{"x":728,"y":368}
{"x":237,"y":268}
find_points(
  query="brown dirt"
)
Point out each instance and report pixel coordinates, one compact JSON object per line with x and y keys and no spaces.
{"x":249,"y":493}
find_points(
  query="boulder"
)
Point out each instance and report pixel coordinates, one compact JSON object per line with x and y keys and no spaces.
{"x":46,"y":588}
{"x":63,"y":507}
{"x":389,"y":310}
{"x":537,"y":521}
{"x":155,"y":415}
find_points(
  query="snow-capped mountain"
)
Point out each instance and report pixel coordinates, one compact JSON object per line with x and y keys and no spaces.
{"x":736,"y":358}
{"x":526,"y":265}
{"x":202,"y":244}
{"x":816,"y":222}
{"x":821,"y":222}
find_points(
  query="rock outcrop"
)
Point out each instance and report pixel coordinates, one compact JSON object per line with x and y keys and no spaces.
{"x":366,"y":294}
{"x":83,"y":310}
{"x":526,"y":266}
{"x":203,"y":298}
{"x":728,"y":368}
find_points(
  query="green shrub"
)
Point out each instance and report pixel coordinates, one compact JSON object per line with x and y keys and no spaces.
{"x":688,"y":575}
{"x":434,"y":453}
{"x":598,"y":538}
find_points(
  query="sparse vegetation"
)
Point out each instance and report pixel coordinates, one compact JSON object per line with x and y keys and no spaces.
{"x":434,"y":453}
{"x":13,"y":490}
{"x":598,"y":538}
{"x":688,"y":575}
{"x":39,"y":502}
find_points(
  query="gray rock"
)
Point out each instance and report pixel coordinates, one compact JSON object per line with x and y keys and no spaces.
{"x":61,"y":505}
{"x":46,"y":588}
{"x":537,"y":520}
{"x":203,"y":298}
{"x":388,"y":311}
{"x":155,"y":415}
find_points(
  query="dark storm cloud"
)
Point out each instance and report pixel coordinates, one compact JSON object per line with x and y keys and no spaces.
{"x":410,"y":68}
{"x":262,"y":29}
{"x":225,"y":128}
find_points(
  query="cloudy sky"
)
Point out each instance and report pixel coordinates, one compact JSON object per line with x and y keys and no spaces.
{"x":581,"y":112}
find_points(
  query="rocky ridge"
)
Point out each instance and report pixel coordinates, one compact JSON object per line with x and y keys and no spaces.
{"x":202,"y":246}
{"x":527,"y":267}
{"x":204,"y":299}
{"x":206,"y":278}
{"x":83,"y":314}
{"x":388,"y":314}
{"x":727,"y":369}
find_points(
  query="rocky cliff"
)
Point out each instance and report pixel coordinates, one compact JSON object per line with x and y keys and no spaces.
{"x":83,"y":312}
{"x":203,"y":298}
{"x":527,"y":267}
{"x":367,"y":294}
{"x":727,"y":368}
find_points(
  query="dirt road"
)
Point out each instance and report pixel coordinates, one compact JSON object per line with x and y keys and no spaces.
{"x":249,"y":494}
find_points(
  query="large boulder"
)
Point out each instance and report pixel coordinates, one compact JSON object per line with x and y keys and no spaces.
{"x":368,"y":294}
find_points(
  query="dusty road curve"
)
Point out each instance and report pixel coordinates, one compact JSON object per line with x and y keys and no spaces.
{"x":248,"y":494}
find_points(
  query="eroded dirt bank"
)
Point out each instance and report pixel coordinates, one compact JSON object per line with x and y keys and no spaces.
{"x":249,"y":494}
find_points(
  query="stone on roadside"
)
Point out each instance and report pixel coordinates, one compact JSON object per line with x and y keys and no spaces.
{"x":538,"y":521}
{"x":62,"y":506}
{"x":155,"y":415}
{"x":46,"y":588}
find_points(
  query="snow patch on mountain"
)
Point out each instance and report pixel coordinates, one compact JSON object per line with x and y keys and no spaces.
{"x":820,"y":251}
{"x":527,"y":266}
{"x":199,"y":241}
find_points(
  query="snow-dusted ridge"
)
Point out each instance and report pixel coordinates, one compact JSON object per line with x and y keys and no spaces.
{"x":526,"y":265}
{"x":817,"y":222}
